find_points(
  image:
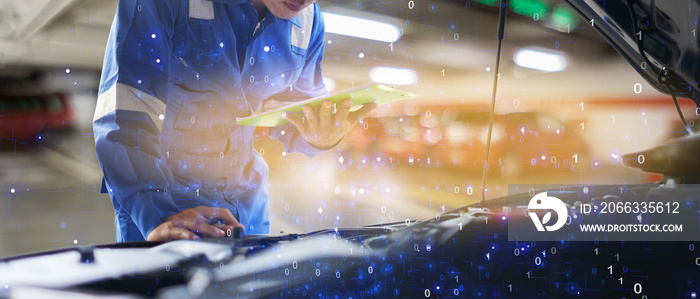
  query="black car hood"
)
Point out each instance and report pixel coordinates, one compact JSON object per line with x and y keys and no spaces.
{"x":464,"y":253}
{"x":669,"y":30}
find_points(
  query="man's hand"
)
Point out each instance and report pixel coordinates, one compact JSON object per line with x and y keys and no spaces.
{"x":183,"y":225}
{"x":321,"y":128}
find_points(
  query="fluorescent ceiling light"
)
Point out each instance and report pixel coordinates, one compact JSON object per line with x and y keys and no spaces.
{"x":393,"y":75}
{"x":540,"y":60}
{"x":362,"y":28}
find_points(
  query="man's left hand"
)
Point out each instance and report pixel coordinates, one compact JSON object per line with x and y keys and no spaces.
{"x":323,"y":129}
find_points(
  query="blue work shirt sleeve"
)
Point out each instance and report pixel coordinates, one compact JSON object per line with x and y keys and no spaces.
{"x":130,"y":111}
{"x":310,"y":84}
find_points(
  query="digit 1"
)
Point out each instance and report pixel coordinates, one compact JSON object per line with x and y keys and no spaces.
{"x":391,"y":46}
{"x":576,"y":161}
{"x":510,"y":287}
{"x":167,"y":154}
{"x":197,"y":192}
{"x":529,"y":273}
{"x":596,"y":251}
{"x":620,"y":280}
{"x":610,"y":267}
{"x":617,"y":257}
{"x":460,"y":226}
{"x":581,"y":104}
{"x":582,"y":126}
{"x":443,"y":72}
{"x":592,"y":22}
{"x":568,"y":28}
{"x":640,"y":35}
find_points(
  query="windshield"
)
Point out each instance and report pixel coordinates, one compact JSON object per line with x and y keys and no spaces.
{"x":567,"y":108}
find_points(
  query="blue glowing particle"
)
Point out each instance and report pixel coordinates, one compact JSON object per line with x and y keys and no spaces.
{"x":572,"y":288}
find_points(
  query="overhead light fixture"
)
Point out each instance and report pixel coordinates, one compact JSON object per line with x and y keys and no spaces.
{"x":393,"y":75}
{"x":361,"y":28}
{"x":540,"y":60}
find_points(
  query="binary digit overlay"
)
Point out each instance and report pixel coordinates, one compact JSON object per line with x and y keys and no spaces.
{"x":349,"y":149}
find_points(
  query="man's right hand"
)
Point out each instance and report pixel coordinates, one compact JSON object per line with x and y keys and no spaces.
{"x":183,"y":225}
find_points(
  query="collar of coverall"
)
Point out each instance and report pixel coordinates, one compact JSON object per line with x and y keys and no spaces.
{"x":296,"y":21}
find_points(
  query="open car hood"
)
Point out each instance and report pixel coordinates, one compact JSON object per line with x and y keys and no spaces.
{"x":464,"y":253}
{"x":669,"y":30}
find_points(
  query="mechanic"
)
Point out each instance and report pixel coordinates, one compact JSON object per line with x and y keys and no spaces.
{"x":176,"y":75}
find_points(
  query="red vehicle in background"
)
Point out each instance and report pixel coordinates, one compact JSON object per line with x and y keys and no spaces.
{"x":27,"y":117}
{"x":521,"y":142}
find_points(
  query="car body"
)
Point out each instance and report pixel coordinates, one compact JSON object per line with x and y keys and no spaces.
{"x":25,"y":117}
{"x":463,"y":253}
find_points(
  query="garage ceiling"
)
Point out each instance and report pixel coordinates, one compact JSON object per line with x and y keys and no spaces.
{"x":455,"y":36}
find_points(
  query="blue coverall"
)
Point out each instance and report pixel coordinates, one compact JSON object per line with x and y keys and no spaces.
{"x":176,"y":75}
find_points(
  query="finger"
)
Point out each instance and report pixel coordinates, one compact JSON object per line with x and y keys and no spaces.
{"x":171,"y":233}
{"x":297,"y":122}
{"x":200,"y":222}
{"x":325,"y":115}
{"x":180,"y":234}
{"x":362,"y":113}
{"x":310,"y":115}
{"x":202,"y":227}
{"x":228,"y":229}
{"x":221,"y":213}
{"x":342,"y":114}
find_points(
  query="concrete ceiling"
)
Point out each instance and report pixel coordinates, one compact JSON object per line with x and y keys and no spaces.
{"x":72,"y":34}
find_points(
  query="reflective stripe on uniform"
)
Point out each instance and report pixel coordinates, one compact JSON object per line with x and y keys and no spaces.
{"x":201,"y":9}
{"x":124,"y":97}
{"x":302,"y":35}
